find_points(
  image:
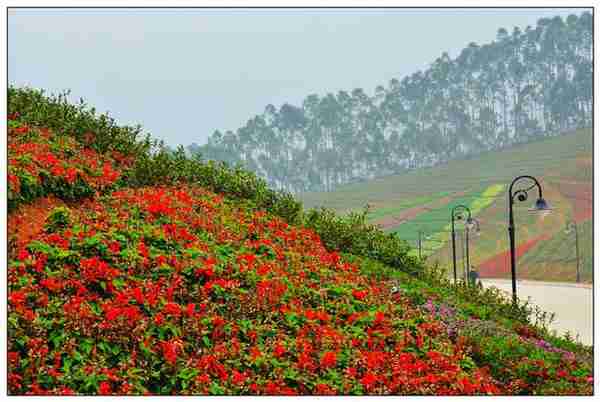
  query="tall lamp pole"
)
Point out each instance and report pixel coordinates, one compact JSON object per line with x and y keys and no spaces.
{"x":420,"y":244}
{"x":540,"y":205}
{"x":456,"y":213}
{"x":572,"y":226}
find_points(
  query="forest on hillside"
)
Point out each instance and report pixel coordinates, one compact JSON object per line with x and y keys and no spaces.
{"x":524,"y":85}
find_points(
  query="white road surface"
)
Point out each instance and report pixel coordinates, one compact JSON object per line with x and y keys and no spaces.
{"x":572,"y":303}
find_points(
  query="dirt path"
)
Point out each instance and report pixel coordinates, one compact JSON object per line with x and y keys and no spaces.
{"x":572,"y":303}
{"x":29,"y":220}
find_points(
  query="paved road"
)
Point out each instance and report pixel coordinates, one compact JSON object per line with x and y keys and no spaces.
{"x":571,"y":302}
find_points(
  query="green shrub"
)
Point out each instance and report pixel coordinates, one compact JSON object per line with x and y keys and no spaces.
{"x":59,"y":218}
{"x":352,"y":234}
{"x":55,"y":112}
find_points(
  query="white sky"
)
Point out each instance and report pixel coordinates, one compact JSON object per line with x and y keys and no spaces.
{"x":182,"y":73}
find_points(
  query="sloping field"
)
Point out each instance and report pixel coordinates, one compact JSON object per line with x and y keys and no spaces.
{"x":553,"y":155}
{"x":555,"y":259}
{"x":563,"y":165}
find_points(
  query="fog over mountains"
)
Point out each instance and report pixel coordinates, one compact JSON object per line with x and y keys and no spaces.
{"x":526,"y":84}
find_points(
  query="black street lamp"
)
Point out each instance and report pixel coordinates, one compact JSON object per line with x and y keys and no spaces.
{"x":572,"y":226}
{"x":420,"y":232}
{"x":540,"y":205}
{"x":456,"y":213}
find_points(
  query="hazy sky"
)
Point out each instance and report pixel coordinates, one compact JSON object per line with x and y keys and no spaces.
{"x":182,"y":73}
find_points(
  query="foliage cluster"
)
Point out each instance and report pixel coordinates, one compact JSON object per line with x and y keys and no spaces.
{"x":178,"y":290}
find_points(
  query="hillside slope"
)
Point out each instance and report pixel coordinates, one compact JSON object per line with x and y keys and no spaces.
{"x":176,"y":289}
{"x":562,"y":163}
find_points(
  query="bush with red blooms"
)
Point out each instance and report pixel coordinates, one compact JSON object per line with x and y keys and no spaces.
{"x":41,"y":162}
{"x":182,"y":291}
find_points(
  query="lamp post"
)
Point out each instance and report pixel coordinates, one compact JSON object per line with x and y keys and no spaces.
{"x":540,"y":205}
{"x":572,"y":226}
{"x":456,"y":213}
{"x":475,"y":223}
{"x":420,"y":232}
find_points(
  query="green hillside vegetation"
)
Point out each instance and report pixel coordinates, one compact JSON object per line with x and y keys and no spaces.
{"x":181,"y":277}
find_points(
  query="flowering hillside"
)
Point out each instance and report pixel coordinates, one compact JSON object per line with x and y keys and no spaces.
{"x":176,"y":289}
{"x":42,"y":162}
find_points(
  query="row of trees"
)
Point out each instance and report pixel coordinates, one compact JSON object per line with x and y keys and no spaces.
{"x":524,"y":85}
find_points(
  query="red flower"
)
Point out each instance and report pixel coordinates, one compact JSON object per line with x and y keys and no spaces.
{"x":466,"y":386}
{"x":190,"y":309}
{"x":360,"y":295}
{"x":238,"y":378}
{"x":23,"y":255}
{"x":279,"y":350}
{"x":169,"y":349}
{"x":379,"y":317}
{"x":324,"y":389}
{"x":71,"y":175}
{"x":328,"y":360}
{"x":138,"y":295}
{"x":114,"y":247}
{"x":13,"y":357}
{"x":172,"y":309}
{"x":255,"y":353}
{"x":158,"y":319}
{"x":17,"y":298}
{"x":142,"y":249}
{"x":104,"y":388}
{"x":14,"y":182}
{"x":51,"y":284}
{"x":368,"y":381}
{"x":20,"y":130}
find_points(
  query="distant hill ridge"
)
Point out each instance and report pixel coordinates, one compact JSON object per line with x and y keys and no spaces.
{"x":526,"y":84}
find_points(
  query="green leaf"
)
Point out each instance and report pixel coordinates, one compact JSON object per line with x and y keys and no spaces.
{"x":206,"y":341}
{"x":147,"y":352}
{"x":87,"y":345}
{"x":187,"y":373}
{"x":118,"y":283}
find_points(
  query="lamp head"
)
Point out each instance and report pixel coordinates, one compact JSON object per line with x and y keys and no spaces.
{"x":541,"y":205}
{"x":470,"y":223}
